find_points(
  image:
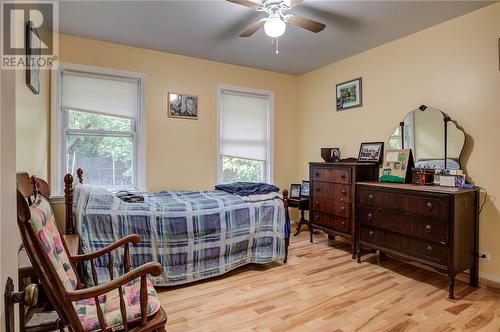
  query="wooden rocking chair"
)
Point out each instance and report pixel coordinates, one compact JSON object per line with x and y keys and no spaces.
{"x":127,"y":302}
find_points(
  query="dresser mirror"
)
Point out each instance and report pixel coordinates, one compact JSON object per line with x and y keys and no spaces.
{"x":435,"y":140}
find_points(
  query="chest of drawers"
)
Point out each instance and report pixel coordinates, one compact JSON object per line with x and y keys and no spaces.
{"x":332,"y":195}
{"x":435,"y":226}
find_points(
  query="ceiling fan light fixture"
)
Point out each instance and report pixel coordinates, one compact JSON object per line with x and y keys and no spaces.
{"x":274,"y":27}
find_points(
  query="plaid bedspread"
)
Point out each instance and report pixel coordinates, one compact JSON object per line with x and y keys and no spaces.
{"x":193,"y":234}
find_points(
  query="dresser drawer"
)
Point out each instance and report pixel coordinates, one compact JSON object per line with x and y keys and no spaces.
{"x":336,"y":175}
{"x":340,"y":192}
{"x":419,"y":205}
{"x":332,"y":206}
{"x":332,"y":221}
{"x":421,"y":227}
{"x":419,"y":248}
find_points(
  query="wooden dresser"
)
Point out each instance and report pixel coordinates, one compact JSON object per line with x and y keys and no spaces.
{"x":436,"y":226}
{"x":332,"y":194}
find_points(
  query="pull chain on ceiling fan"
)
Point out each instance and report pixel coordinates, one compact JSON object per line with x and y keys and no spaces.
{"x":275,"y":24}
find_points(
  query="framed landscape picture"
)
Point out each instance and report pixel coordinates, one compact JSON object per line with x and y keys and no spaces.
{"x":182,"y":106}
{"x":349,"y":94}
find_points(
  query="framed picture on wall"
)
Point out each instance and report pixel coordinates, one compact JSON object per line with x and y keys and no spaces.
{"x":33,"y":44}
{"x":349,"y":94}
{"x":182,"y":106}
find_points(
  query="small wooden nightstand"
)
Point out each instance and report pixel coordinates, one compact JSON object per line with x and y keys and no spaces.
{"x":50,"y":320}
{"x":303,"y":205}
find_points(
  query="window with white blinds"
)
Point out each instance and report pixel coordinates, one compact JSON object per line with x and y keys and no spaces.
{"x":245,"y":135}
{"x":103,"y":94}
{"x":97,"y":121}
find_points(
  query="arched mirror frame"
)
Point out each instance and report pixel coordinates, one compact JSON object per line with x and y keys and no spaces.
{"x":446,"y":120}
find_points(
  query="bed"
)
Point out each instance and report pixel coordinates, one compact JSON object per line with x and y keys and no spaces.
{"x":193,"y":234}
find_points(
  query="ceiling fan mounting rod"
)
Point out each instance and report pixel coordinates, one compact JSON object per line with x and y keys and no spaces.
{"x":275,"y":8}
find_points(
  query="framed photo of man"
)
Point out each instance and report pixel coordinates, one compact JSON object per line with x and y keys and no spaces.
{"x":182,"y":106}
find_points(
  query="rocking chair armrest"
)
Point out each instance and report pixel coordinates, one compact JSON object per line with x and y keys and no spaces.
{"x":153,"y":268}
{"x":133,"y":238}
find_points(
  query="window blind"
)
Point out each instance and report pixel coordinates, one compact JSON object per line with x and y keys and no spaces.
{"x":244,"y":125}
{"x":99,"y":94}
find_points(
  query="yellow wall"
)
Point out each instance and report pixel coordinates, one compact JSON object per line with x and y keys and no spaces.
{"x":32,"y":125}
{"x":452,"y":67}
{"x":181,"y":154}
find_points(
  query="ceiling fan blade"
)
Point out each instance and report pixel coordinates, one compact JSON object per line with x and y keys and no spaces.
{"x":305,"y":23}
{"x":253,"y":28}
{"x":293,"y":3}
{"x":247,"y":3}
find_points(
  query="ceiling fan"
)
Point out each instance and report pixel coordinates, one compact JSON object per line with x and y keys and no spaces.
{"x":275,"y":24}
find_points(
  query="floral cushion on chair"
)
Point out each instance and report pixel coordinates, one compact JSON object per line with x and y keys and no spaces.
{"x":43,"y":223}
{"x":110,"y":305}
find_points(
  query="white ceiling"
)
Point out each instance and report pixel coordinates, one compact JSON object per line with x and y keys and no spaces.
{"x":209,"y":29}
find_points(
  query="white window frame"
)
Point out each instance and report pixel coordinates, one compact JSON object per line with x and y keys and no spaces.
{"x":58,"y":136}
{"x":269,"y":164}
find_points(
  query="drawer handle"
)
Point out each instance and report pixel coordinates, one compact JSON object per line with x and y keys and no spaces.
{"x":429,"y":205}
{"x":343,"y":223}
{"x":344,"y":192}
{"x":343,"y":176}
{"x":316,"y":203}
{"x":369,"y":216}
{"x":370,"y":197}
{"x":316,"y":216}
{"x":370,"y":234}
{"x":429,"y":249}
{"x":428,"y":228}
{"x":316,"y":175}
{"x":342,"y":208}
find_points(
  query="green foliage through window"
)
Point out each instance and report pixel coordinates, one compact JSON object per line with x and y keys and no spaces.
{"x":106,"y":159}
{"x":238,"y":169}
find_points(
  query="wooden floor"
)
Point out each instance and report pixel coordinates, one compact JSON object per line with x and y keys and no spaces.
{"x":322,"y":289}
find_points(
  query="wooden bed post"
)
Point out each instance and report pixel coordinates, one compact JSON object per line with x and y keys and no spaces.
{"x":287,"y":217}
{"x":79,"y":174}
{"x":69,"y":227}
{"x":68,"y":202}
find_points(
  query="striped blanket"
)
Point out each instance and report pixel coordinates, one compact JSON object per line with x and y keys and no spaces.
{"x":193,"y":234}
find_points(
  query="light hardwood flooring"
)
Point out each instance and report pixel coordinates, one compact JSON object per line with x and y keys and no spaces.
{"x":322,"y":289}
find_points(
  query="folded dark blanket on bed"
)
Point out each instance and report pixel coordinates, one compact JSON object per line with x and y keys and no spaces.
{"x":129,"y":197}
{"x":247,"y":188}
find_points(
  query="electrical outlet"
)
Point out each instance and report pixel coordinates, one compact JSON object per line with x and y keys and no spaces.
{"x":484,"y":256}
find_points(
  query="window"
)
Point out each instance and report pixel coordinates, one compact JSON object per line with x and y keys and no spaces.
{"x":245,"y":144}
{"x":97,"y":125}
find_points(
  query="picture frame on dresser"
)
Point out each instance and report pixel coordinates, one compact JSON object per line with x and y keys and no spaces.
{"x":295,"y":190}
{"x":304,"y":189}
{"x":371,"y":152}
